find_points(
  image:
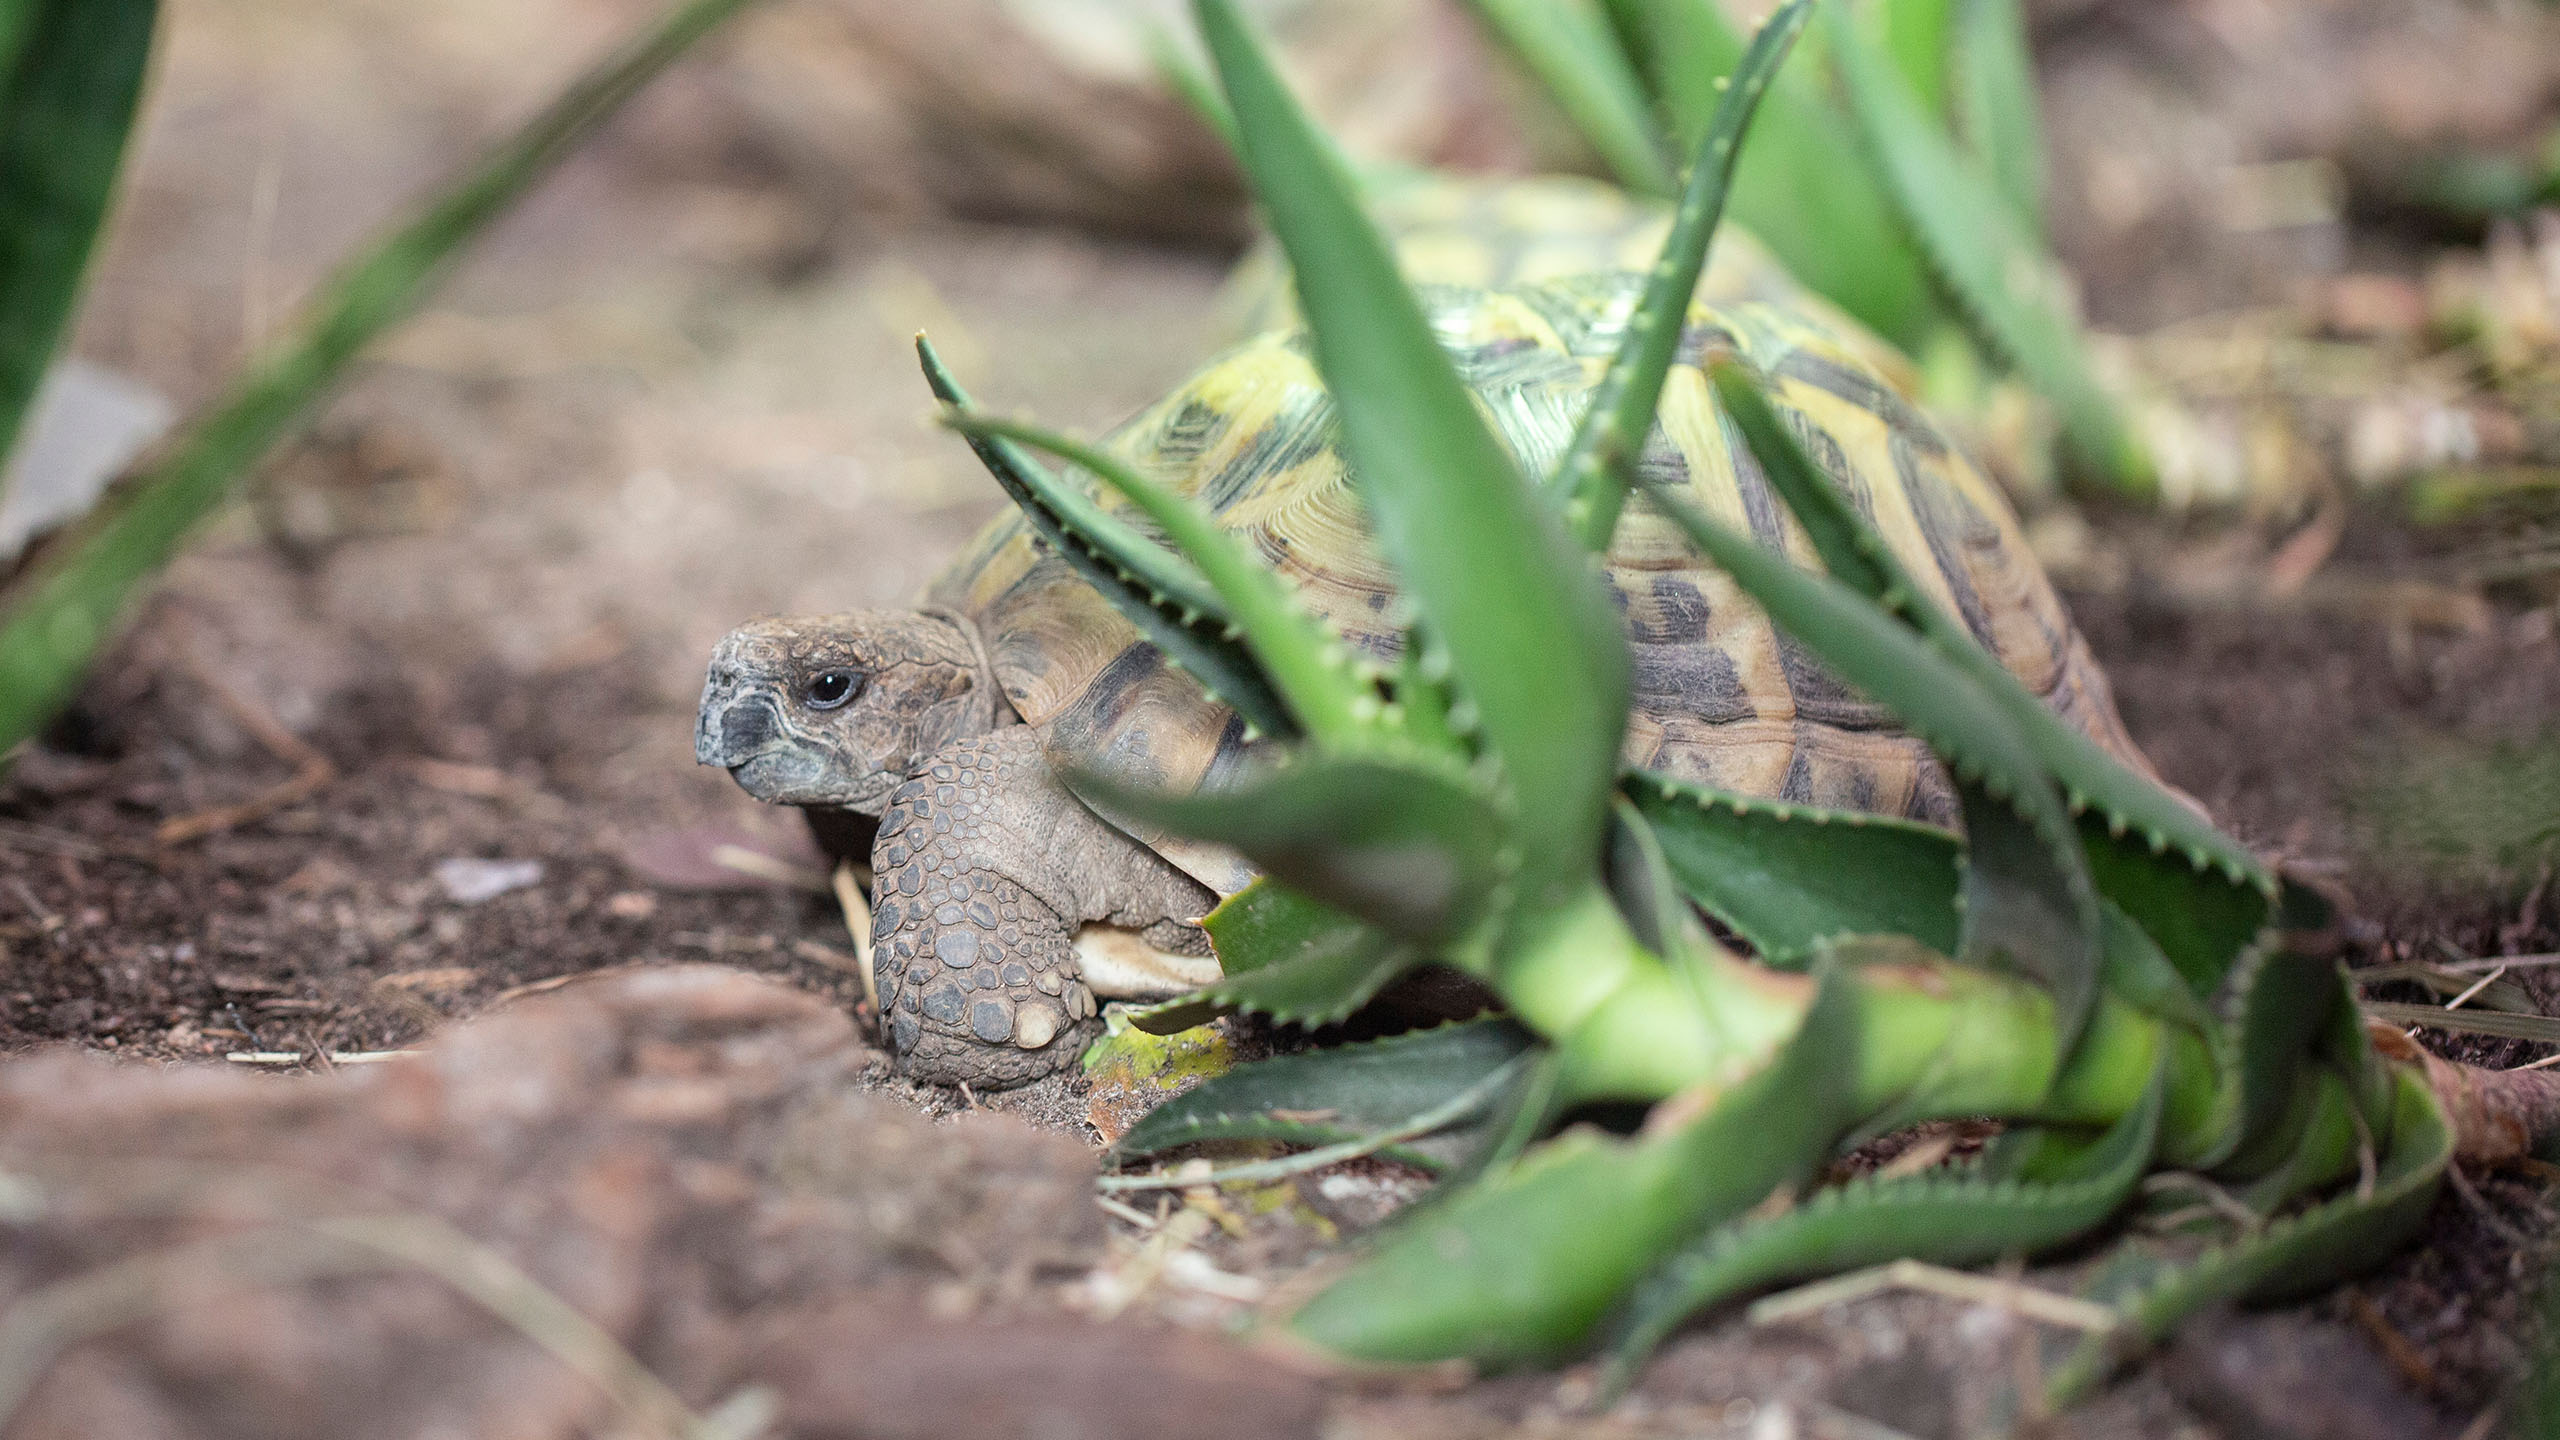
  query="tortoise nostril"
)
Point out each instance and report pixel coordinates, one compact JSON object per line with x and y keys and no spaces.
{"x":747,"y":727}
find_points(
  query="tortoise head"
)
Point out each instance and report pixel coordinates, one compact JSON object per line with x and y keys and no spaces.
{"x":837,"y":710}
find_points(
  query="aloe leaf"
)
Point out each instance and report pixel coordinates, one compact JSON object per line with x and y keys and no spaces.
{"x":2137,"y":969}
{"x":1530,"y":631}
{"x":1802,"y":184}
{"x":1296,"y":960}
{"x":2291,"y":1254}
{"x":2028,"y":906}
{"x":2000,"y":279}
{"x":1344,"y":1093}
{"x":1949,"y":1218}
{"x":1992,"y":83}
{"x":1413,"y":846}
{"x":1787,"y":877}
{"x":70,"y":76}
{"x":2278,"y":1005}
{"x":1159,"y":592}
{"x":1919,"y":37}
{"x":1333,"y":699}
{"x":1622,"y":406}
{"x":2202,"y":896}
{"x":1520,"y":1266}
{"x":1568,"y":46}
{"x":1181,"y":74}
{"x":57,"y":610}
{"x":1640,"y":881}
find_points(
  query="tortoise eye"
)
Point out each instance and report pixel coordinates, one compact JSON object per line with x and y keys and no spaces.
{"x":830,"y":688}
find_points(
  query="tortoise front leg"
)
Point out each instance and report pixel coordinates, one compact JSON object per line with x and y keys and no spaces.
{"x":984,"y":869}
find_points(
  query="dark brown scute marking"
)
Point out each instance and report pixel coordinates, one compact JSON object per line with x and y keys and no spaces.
{"x":1865,"y":392}
{"x":1862,"y":788}
{"x":1302,"y":430}
{"x":1694,"y":678}
{"x":1699,"y":341}
{"x":1826,"y":454}
{"x":1228,"y":759}
{"x":1680,"y":613}
{"x":1820,"y":696}
{"x":1797,"y":788}
{"x":1095,"y":722}
{"x":1759,"y":502}
{"x":1186,"y":433}
{"x":1947,"y":521}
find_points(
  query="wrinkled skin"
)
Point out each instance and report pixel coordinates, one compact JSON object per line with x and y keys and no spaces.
{"x":985,"y":867}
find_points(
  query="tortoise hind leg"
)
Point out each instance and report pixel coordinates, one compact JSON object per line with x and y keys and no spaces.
{"x":984,"y":869}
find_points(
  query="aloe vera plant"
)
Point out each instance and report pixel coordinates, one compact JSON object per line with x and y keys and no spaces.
{"x":2089,"y":960}
{"x":70,"y":75}
{"x":1914,"y":201}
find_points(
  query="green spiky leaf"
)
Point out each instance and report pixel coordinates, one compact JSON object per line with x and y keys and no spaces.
{"x":1622,"y":405}
{"x":1334,"y":702}
{"x":1786,"y":878}
{"x":1567,"y":45}
{"x":2202,"y":896}
{"x":70,"y":76}
{"x":1957,"y":1218}
{"x":1530,"y":632}
{"x":1521,"y":1266}
{"x":2028,"y":904}
{"x":1293,"y":959}
{"x":2000,"y":279}
{"x":1413,"y":845}
{"x":2292,"y":1253}
{"x":1158,"y":591}
{"x":1344,"y":1093}
{"x":63,"y":605}
{"x":1991,"y":82}
{"x":1802,"y":183}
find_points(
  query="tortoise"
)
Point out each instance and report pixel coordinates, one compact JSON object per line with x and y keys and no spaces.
{"x":1005,"y":909}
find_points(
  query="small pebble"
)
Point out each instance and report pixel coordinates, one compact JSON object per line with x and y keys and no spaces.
{"x":469,"y":881}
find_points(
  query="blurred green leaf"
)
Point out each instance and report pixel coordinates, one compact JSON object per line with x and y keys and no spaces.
{"x":1326,"y":689}
{"x":1804,"y":186}
{"x":1294,"y":959}
{"x":2028,"y":907}
{"x":1530,"y":632}
{"x":2291,"y":1254}
{"x":63,"y":604}
{"x":1993,"y":81}
{"x":2001,"y":281}
{"x":1343,"y":1093}
{"x":70,"y":75}
{"x":1411,"y":845}
{"x":1621,"y":408}
{"x":1787,"y":877}
{"x":1920,"y":37}
{"x":1568,"y":46}
{"x":1181,"y":73}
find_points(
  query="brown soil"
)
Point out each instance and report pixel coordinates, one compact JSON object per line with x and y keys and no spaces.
{"x":675,"y":392}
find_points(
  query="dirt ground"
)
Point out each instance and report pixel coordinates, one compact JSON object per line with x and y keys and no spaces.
{"x":451,"y":651}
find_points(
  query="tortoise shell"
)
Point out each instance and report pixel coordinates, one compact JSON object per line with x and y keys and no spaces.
{"x":1721,"y":695}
